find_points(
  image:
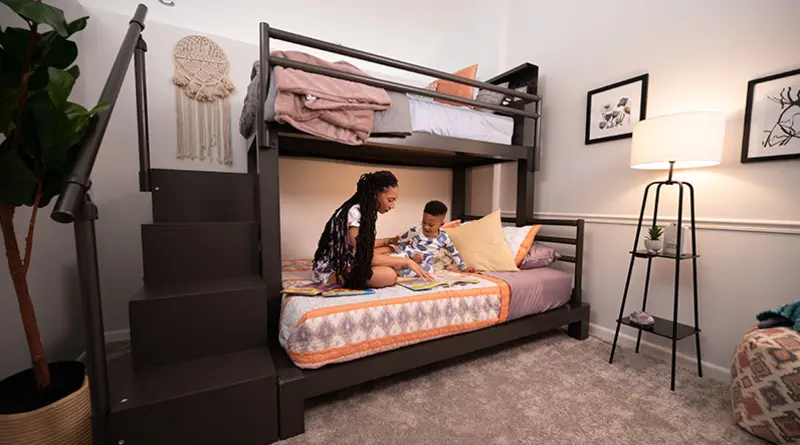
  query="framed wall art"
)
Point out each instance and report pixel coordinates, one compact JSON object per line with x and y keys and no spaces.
{"x":612,"y":110}
{"x":772,"y":118}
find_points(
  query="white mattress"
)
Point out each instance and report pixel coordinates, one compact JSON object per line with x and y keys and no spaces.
{"x":441,"y":119}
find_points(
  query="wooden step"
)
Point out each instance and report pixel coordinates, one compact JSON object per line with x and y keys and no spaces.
{"x":194,"y":251}
{"x":199,"y":196}
{"x":174,"y":322}
{"x":226,"y":399}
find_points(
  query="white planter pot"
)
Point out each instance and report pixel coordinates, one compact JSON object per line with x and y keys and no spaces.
{"x":653,"y":246}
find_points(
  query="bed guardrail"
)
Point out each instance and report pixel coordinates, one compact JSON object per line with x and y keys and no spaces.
{"x":267,"y":33}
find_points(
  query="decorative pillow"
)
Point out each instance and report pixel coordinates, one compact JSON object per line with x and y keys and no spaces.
{"x":491,"y":97}
{"x":457,"y":89}
{"x":495,"y":98}
{"x":451,"y":224}
{"x":520,"y":240}
{"x":430,"y":87}
{"x":482,"y":244}
{"x":540,"y":255}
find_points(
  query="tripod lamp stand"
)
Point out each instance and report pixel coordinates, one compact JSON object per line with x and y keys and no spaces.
{"x":685,"y":140}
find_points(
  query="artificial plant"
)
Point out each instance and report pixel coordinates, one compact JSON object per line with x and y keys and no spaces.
{"x":654,"y":233}
{"x":42,"y":133}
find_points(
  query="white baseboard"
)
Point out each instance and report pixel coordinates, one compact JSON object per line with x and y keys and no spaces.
{"x":711,"y":370}
{"x":116,"y":336}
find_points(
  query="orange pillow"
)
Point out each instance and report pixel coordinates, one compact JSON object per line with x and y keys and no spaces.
{"x":457,"y":89}
{"x":451,"y":224}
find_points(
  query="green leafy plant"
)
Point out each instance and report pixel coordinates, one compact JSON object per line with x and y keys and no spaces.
{"x":654,"y":233}
{"x":42,"y":133}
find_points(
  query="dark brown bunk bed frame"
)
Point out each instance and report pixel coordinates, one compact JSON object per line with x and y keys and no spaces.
{"x":421,"y":150}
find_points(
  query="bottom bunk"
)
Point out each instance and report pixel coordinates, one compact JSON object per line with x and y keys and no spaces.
{"x":296,"y":385}
{"x":318,"y":331}
{"x":330,"y":343}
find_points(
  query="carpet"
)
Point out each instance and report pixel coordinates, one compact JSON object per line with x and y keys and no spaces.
{"x":550,"y":389}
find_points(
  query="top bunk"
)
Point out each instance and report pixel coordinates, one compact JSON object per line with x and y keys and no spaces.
{"x":306,"y":106}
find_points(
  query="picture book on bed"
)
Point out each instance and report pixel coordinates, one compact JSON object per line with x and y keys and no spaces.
{"x":418,"y":284}
{"x":325,"y":290}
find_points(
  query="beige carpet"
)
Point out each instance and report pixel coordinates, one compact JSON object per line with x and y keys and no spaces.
{"x":550,"y":390}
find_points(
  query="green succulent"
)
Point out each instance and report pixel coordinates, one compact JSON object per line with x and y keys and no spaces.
{"x":654,"y":233}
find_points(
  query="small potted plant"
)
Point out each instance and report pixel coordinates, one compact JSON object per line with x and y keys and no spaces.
{"x":42,"y":131}
{"x":653,"y":241}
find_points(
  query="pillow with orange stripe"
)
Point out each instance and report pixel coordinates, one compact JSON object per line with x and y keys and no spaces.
{"x":520,"y":240}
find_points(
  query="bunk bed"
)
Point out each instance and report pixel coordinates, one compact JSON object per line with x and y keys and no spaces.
{"x":421,"y":147}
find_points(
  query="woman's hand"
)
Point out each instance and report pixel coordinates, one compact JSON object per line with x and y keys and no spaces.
{"x":417,"y":269}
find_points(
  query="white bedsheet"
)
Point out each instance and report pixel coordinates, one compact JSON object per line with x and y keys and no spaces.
{"x":441,"y":119}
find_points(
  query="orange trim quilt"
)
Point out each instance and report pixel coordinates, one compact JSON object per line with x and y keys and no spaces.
{"x":316,"y":331}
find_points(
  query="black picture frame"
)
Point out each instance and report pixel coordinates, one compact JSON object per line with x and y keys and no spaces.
{"x":750,"y":127}
{"x":642,"y":105}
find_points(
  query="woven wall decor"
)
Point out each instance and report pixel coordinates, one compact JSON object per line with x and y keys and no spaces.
{"x":202,"y":91}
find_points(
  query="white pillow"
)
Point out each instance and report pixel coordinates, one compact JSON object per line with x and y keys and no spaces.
{"x":520,"y":240}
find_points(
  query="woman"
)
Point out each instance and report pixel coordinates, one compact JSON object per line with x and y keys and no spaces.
{"x":345,"y":252}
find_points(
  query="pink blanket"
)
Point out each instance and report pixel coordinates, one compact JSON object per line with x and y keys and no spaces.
{"x":330,"y":108}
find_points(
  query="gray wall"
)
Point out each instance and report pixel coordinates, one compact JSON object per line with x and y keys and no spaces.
{"x":53,"y":274}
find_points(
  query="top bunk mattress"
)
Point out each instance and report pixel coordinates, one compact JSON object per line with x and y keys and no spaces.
{"x":441,"y":119}
{"x":408,"y":114}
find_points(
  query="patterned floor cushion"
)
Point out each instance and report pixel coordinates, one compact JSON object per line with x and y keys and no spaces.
{"x":765,"y":386}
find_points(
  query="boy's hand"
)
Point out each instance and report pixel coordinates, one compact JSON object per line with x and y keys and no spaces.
{"x":393,"y":240}
{"x":417,"y":258}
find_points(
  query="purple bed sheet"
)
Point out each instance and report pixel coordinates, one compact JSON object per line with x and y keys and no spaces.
{"x":535,"y":290}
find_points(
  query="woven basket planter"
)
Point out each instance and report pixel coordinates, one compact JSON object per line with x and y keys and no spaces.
{"x":65,"y":422}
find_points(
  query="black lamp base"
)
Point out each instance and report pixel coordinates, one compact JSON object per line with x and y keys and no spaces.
{"x":669,"y":328}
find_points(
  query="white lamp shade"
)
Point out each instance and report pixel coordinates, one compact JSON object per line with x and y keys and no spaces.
{"x":689,"y":140}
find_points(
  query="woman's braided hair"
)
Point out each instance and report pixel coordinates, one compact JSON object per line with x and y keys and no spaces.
{"x":355,"y":268}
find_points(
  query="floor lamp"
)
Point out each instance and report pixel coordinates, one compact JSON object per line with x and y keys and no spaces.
{"x":685,"y":140}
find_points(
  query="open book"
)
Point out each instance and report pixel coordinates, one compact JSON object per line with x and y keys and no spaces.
{"x":325,"y":290}
{"x":418,"y":284}
{"x":310,"y":289}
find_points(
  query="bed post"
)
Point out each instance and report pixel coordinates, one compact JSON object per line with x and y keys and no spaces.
{"x":269,"y":194}
{"x":459,"y":205}
{"x":526,"y":168}
{"x":580,"y":329}
{"x":291,"y":398}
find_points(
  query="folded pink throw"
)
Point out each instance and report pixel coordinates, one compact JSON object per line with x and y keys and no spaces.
{"x":330,"y":108}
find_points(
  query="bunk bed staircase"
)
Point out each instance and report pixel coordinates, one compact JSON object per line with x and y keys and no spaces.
{"x":198,"y":369}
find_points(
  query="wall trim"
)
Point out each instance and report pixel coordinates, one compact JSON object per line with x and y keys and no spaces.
{"x":687,"y":362}
{"x":724,"y":224}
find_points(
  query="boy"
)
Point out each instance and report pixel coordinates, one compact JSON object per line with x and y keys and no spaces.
{"x":422,"y":245}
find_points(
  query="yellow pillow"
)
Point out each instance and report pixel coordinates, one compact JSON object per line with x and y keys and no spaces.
{"x":482,"y":244}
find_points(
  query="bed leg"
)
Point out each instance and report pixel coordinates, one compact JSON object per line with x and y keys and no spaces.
{"x":291,"y":403}
{"x":579,"y":330}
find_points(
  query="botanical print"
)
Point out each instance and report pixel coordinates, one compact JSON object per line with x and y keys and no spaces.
{"x":617,"y":115}
{"x":613,"y":110}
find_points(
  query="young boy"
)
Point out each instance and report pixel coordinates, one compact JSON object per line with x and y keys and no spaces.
{"x":422,"y":245}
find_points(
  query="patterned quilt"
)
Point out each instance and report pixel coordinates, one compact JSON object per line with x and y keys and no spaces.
{"x":316,"y":331}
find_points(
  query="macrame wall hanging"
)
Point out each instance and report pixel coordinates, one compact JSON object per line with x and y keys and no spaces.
{"x":202,"y":91}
